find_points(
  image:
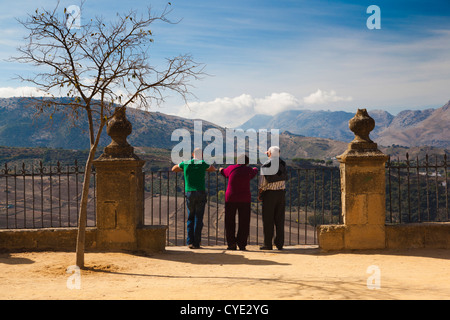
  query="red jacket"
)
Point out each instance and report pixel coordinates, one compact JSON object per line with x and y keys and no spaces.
{"x":239,"y":177}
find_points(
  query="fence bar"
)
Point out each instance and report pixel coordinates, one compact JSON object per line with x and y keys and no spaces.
{"x":6,"y":195}
{"x":32,"y":191}
{"x":288,"y":187}
{"x":68,"y":195}
{"x":176,"y":207}
{"x":168,"y":206}
{"x":390,"y":189}
{"x":151,"y":197}
{"x":306,"y":204}
{"x":257,"y":210}
{"x":428,"y":193}
{"x":208,"y":203}
{"x":436,"y":183}
{"x":446,"y":185}
{"x":419,"y":214}
{"x":409,"y":191}
{"x":298,"y":205}
{"x":217,"y":208}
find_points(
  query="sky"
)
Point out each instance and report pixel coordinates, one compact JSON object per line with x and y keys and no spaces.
{"x":268,"y":56}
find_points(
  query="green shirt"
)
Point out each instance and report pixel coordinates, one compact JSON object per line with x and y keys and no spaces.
{"x":194,"y":174}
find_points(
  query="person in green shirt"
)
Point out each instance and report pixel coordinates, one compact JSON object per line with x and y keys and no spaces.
{"x":194,"y":180}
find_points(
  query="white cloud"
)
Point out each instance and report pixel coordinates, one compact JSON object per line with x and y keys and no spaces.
{"x":321,"y":97}
{"x":232,"y":112}
{"x":8,"y":92}
{"x":276,"y":103}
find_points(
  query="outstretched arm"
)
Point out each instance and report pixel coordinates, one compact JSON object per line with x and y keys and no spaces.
{"x":176,"y":168}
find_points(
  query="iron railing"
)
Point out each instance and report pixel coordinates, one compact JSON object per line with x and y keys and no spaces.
{"x":38,"y":196}
{"x":417,"y":191}
{"x":43,"y":196}
{"x":312,"y":198}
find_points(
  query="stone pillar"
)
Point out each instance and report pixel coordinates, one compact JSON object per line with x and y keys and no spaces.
{"x":120,"y":200}
{"x":363,"y":193}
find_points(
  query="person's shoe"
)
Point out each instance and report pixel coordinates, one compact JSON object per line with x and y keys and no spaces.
{"x":243,"y":248}
{"x":231,"y":248}
{"x":191,"y":246}
{"x":265,"y":248}
{"x":280,"y":248}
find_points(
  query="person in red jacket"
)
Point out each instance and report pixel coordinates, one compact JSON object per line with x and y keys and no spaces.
{"x":238,"y":198}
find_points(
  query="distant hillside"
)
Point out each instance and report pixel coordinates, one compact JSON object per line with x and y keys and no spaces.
{"x":295,"y":146}
{"x":417,"y":128}
{"x":152,"y":132}
{"x":20,"y":128}
{"x":14,"y":157}
{"x":320,"y":124}
{"x":410,"y":128}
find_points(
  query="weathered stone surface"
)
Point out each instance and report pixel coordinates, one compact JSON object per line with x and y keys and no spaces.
{"x":418,"y":235}
{"x":44,"y":239}
{"x":119,"y":128}
{"x":365,"y":236}
{"x":331,"y":237}
{"x":151,"y":238}
{"x":362,"y":192}
{"x":148,"y":238}
{"x":361,"y":125}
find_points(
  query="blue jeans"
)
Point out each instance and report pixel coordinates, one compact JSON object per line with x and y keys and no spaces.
{"x":195,"y":203}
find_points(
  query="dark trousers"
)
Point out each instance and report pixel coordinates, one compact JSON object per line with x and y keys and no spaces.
{"x":273,"y":216}
{"x":195,"y":203}
{"x":243,"y":209}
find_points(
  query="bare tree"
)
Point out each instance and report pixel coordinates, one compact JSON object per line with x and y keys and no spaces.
{"x":99,"y":66}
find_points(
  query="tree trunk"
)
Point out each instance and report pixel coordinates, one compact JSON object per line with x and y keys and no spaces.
{"x":81,"y":237}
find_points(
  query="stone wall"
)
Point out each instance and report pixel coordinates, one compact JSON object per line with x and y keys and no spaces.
{"x":418,"y":235}
{"x":149,"y":239}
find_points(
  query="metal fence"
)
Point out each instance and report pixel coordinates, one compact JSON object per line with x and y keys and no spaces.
{"x":417,"y":191}
{"x":43,"y":196}
{"x":38,"y":196}
{"x":312,"y":198}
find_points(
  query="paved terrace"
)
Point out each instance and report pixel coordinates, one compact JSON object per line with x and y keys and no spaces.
{"x":298,"y":272}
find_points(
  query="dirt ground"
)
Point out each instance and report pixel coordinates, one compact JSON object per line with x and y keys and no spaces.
{"x":213,"y":273}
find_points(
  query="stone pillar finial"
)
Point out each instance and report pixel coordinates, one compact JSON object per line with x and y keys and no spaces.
{"x":119,"y":128}
{"x":361,"y":125}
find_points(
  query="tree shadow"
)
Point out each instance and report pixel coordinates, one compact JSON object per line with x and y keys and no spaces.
{"x":6,"y":258}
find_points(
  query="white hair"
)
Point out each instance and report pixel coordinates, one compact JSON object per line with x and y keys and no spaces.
{"x":274,"y":151}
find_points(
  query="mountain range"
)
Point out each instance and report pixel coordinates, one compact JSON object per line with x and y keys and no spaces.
{"x":305,"y":133}
{"x":411,"y":128}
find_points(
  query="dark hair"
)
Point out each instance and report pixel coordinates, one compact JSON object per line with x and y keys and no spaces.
{"x":246,"y":159}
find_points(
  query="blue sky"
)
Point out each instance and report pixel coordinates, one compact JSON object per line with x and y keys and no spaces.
{"x":269,"y":56}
